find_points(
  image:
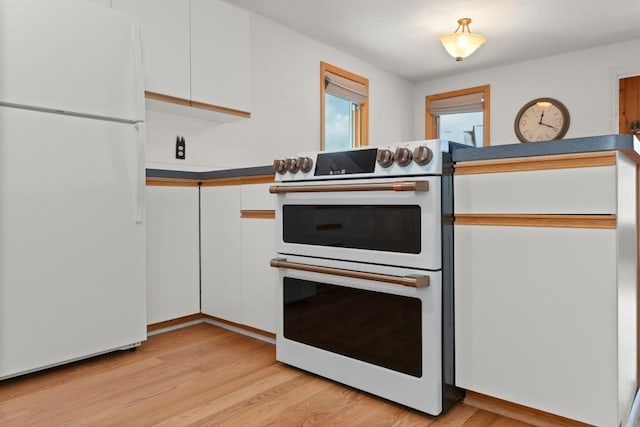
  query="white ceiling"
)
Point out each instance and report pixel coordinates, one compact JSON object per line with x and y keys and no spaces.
{"x":401,"y":36}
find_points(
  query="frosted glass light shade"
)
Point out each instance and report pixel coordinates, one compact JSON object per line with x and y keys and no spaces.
{"x":461,"y":45}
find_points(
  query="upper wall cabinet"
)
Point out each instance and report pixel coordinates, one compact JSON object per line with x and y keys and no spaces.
{"x":196,"y":56}
{"x":166,"y":44}
{"x":220,"y":54}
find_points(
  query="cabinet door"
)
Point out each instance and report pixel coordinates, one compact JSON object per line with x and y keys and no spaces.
{"x":536,"y":318}
{"x":220,"y":54}
{"x":221,"y":252}
{"x":166,"y":43}
{"x":173,"y":288}
{"x":259,"y":280}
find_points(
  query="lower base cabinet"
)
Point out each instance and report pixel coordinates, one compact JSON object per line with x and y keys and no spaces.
{"x":545,"y":317}
{"x":221,"y":252}
{"x":238,"y":285}
{"x":173,"y":280}
{"x":259,"y":280}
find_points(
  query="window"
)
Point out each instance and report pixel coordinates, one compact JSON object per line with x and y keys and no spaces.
{"x":459,"y":116}
{"x":344,"y":109}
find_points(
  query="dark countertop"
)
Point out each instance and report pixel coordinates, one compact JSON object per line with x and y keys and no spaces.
{"x":203,"y":176}
{"x":545,"y":148}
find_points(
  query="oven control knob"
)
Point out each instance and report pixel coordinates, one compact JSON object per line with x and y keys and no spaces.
{"x":384,"y":157}
{"x":403,"y":156}
{"x":422,"y":155}
{"x":279,"y":166}
{"x":305,"y":164}
{"x":292,"y":165}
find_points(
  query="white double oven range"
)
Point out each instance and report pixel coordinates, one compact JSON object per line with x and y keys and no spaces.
{"x":364,"y":241}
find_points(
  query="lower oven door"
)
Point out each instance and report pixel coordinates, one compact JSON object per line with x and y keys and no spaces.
{"x":393,"y":221}
{"x":351,"y":323}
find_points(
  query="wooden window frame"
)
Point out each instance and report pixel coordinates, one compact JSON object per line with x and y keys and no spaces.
{"x":431,"y":124}
{"x":361,"y":119}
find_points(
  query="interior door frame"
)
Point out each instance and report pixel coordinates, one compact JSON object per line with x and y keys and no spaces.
{"x":616,"y":75}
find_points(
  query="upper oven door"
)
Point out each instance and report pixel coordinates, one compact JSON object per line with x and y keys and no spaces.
{"x":390,"y":221}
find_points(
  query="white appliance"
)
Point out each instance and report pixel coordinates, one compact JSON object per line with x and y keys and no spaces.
{"x":364,"y":241}
{"x":72,"y":242}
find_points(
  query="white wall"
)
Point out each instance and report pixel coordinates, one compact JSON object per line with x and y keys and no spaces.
{"x":285,"y":92}
{"x":585,"y":81}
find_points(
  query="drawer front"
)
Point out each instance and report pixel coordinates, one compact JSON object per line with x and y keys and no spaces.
{"x":257,"y":197}
{"x":587,"y":190}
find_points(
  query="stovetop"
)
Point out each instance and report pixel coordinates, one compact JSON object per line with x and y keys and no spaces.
{"x":395,"y":160}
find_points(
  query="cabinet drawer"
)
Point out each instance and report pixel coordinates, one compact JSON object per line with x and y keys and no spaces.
{"x":586,"y":190}
{"x":257,"y":197}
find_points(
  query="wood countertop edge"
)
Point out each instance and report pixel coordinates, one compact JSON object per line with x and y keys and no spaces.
{"x":522,"y":164}
{"x":608,"y":221}
{"x":209,"y":182}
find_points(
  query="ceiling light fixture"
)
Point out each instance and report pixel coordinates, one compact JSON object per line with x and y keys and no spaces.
{"x":464,"y":43}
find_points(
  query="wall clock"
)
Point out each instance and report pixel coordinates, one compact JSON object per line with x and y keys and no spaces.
{"x":541,"y":119}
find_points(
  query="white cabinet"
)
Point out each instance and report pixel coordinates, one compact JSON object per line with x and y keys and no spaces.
{"x":536,"y":318}
{"x":195,"y":50}
{"x":220,"y":54}
{"x":238,"y":284}
{"x":221,"y":251}
{"x":173,"y":288}
{"x":259,"y":280}
{"x":545,"y":312}
{"x":166,"y":43}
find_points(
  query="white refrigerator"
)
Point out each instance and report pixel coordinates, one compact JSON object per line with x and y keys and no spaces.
{"x":72,"y":143}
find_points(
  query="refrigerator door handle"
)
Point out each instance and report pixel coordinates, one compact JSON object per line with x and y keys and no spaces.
{"x":136,"y":37}
{"x":140,"y":173}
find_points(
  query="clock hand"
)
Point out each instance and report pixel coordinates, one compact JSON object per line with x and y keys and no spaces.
{"x":552,"y":127}
{"x":541,"y":117}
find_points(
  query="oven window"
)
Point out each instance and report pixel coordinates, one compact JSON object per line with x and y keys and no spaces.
{"x":389,"y":228}
{"x":374,"y":327}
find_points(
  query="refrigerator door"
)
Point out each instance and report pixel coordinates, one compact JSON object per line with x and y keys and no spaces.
{"x":72,"y":255}
{"x":72,"y":56}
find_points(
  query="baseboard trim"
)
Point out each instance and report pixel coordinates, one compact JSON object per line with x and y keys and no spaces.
{"x":241,"y":329}
{"x":194,"y":319}
{"x":519,"y":412}
{"x":178,"y":321}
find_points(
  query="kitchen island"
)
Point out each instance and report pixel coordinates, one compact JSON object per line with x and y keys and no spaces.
{"x":546,"y":265}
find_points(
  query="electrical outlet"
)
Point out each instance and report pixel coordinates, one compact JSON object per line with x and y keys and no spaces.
{"x":180,"y":148}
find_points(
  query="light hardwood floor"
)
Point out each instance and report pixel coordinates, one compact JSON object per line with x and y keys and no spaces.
{"x":199,"y":376}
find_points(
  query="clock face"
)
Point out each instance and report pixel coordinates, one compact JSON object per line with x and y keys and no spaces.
{"x":542,"y":119}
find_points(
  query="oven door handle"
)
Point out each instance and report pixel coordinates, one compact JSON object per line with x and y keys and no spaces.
{"x":419,"y":186}
{"x":413,"y":280}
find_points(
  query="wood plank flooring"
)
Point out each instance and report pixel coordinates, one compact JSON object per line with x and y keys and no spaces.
{"x":203,"y":375}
